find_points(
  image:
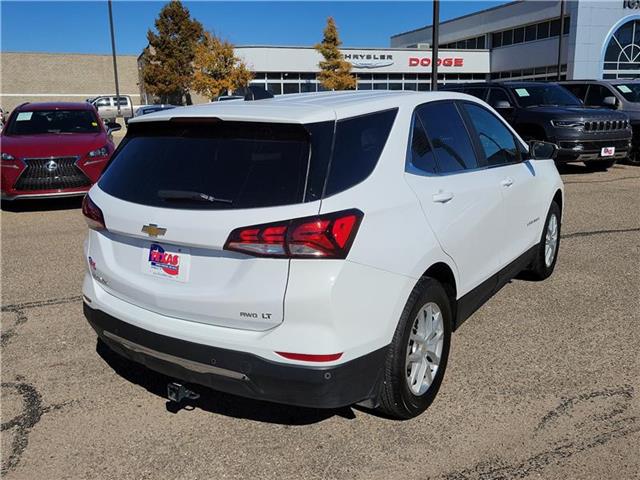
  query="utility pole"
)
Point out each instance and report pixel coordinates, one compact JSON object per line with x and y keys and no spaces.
{"x":115,"y":65}
{"x":435,"y":38}
{"x":560,"y":37}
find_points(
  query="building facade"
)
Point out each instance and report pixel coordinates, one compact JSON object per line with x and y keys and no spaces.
{"x":601,"y":38}
{"x":283,"y":70}
{"x":63,"y":77}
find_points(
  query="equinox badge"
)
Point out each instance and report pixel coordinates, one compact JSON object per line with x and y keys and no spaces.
{"x":154,"y":230}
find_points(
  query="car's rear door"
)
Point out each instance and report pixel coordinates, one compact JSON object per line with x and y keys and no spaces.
{"x":461,"y":200}
{"x":170,"y":199}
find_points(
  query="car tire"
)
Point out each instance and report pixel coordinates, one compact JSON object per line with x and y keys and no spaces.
{"x":406,"y":391}
{"x":543,"y":265}
{"x":600,"y":165}
{"x":634,"y":158}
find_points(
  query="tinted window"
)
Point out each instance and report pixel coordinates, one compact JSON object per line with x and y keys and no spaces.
{"x":543,"y":30}
{"x":448,"y":136}
{"x":518,"y":35}
{"x":53,"y":121}
{"x":121,"y":101}
{"x":579,"y":90}
{"x":103,"y":102}
{"x":530,"y":33}
{"x":497,"y":141}
{"x":481,"y":43}
{"x":422,"y":156}
{"x":532,"y":95}
{"x":358,"y":144}
{"x":480,"y":93}
{"x":496,"y":40}
{"x":496,"y":95}
{"x":630,"y":91}
{"x":507,"y":37}
{"x":249,"y":165}
{"x":596,"y":95}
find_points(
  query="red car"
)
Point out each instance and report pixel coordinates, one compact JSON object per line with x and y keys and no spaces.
{"x":53,"y":149}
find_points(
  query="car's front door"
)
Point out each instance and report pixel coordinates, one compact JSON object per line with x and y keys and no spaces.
{"x":462,"y":201}
{"x":523,"y":205}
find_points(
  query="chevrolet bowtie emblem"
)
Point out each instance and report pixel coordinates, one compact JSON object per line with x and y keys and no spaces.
{"x":154,"y":230}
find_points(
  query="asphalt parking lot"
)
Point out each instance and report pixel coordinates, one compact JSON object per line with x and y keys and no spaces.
{"x":543,"y":381}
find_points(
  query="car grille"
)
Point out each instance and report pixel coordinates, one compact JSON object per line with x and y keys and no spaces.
{"x":605,"y":125}
{"x":51,"y":174}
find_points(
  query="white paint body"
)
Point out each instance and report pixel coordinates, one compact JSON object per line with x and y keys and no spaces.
{"x":318,"y":306}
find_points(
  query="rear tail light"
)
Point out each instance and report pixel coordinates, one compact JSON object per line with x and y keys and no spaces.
{"x":322,"y":236}
{"x":92,"y":214}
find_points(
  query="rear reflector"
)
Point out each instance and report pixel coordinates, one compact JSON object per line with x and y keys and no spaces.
{"x":92,"y":214}
{"x":323,"y":236}
{"x":305,"y":357}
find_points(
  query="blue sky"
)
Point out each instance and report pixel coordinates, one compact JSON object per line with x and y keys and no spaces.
{"x":82,"y":27}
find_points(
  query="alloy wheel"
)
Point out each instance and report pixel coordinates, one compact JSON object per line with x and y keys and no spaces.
{"x":424,"y":349}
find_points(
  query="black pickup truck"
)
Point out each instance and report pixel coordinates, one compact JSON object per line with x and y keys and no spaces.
{"x":549,"y":112}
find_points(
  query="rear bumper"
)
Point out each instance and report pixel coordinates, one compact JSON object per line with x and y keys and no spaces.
{"x":241,"y":373}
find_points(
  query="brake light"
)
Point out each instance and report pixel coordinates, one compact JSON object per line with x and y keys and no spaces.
{"x":92,"y":214}
{"x":322,"y":236}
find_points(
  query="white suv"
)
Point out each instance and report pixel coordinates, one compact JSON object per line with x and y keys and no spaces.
{"x":314,"y":249}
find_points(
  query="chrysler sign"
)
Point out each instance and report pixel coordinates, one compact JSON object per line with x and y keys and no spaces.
{"x":369,"y":60}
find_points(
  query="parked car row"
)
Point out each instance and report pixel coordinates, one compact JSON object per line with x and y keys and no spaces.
{"x":596,"y":134}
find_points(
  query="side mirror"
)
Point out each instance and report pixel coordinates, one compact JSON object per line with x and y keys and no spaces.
{"x":542,"y":150}
{"x":610,"y":102}
{"x":113,"y":127}
{"x":502,"y":105}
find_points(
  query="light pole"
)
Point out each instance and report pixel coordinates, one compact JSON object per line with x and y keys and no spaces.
{"x":560,"y":37}
{"x":115,"y":64}
{"x":435,"y":38}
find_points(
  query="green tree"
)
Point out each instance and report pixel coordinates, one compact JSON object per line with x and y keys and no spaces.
{"x":167,"y":63}
{"x":216,"y":68}
{"x":335,"y":71}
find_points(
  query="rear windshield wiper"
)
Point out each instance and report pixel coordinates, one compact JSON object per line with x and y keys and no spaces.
{"x":191,"y":195}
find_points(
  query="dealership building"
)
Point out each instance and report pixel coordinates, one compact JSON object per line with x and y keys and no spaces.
{"x":284,"y":70}
{"x":601,"y":38}
{"x":518,"y":40}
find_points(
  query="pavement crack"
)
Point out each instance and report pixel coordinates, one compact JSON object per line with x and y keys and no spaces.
{"x":31,"y":414}
{"x":599,"y":232}
{"x":21,"y":316}
{"x":593,"y":430}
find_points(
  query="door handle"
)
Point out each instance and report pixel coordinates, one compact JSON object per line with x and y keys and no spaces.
{"x":507,"y":182}
{"x":442,"y":197}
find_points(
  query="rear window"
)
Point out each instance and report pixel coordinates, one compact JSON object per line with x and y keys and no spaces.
{"x":358,"y":144}
{"x":218,"y":165}
{"x":233,"y":165}
{"x":53,"y":121}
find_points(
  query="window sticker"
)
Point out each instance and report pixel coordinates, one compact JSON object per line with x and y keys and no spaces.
{"x":94,"y":124}
{"x":522,"y":92}
{"x":22,"y":116}
{"x":624,"y":88}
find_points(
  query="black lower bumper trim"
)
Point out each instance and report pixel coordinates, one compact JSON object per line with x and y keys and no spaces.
{"x":242,"y":373}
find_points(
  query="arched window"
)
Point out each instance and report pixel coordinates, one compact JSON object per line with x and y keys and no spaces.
{"x":622,"y":56}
